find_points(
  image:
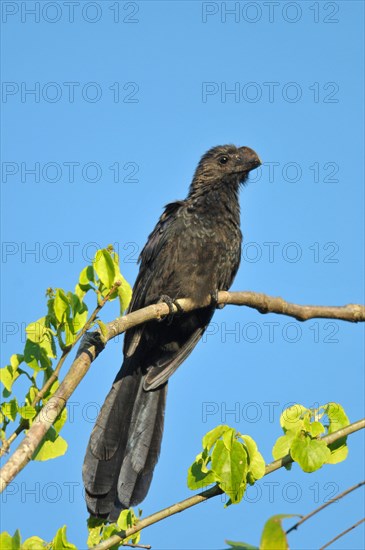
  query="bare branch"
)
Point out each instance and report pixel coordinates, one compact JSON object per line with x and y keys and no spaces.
{"x":340,"y":535}
{"x":334,"y":499}
{"x":49,"y":413}
{"x":214,"y":491}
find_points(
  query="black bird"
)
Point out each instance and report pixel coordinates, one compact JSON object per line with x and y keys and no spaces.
{"x":194,"y":251}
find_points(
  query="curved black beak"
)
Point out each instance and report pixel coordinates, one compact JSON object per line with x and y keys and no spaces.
{"x":248,"y":159}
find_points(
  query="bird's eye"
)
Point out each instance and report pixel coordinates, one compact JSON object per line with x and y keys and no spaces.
{"x":223,"y":160}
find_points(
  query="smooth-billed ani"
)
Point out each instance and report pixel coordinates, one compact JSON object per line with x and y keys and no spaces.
{"x":194,"y":251}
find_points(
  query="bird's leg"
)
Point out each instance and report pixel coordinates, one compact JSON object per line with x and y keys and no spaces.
{"x":171,"y":303}
{"x":214,"y":300}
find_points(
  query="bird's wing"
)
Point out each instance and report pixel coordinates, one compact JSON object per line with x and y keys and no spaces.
{"x":148,"y":259}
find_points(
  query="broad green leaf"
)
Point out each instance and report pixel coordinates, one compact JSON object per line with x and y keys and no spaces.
{"x":80,"y":317}
{"x":61,"y":305}
{"x":241,"y":545}
{"x":27,"y":412}
{"x":48,"y":345}
{"x":230,"y":466}
{"x":228,"y":438}
{"x":10,"y":409}
{"x":336,"y":416}
{"x":316,"y":428}
{"x":109,"y":531}
{"x":37,"y":330}
{"x":94,"y":536}
{"x":256,"y":460}
{"x":273,"y":535}
{"x":291,"y":419}
{"x":52,"y":446}
{"x":211,"y":437}
{"x":16,"y":360}
{"x":34,"y":543}
{"x":282,"y":445}
{"x":31,"y":395}
{"x":104,"y":267}
{"x":257,"y":467}
{"x":199,"y":479}
{"x":86,"y":275}
{"x":124,"y":294}
{"x":69,"y":332}
{"x":60,"y":420}
{"x":35,"y":356}
{"x":60,"y":541}
{"x":8,"y":542}
{"x":338,"y":455}
{"x":126,"y":519}
{"x":309,"y":453}
{"x":7,"y":377}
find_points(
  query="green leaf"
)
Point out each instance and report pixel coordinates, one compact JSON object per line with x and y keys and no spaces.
{"x":127,"y":519}
{"x":8,"y":542}
{"x":199,"y":479}
{"x":60,"y":541}
{"x":273,"y":535}
{"x":94,"y":535}
{"x":337,"y":455}
{"x":228,"y":437}
{"x":282,"y":445}
{"x":10,"y":409}
{"x":291,"y":418}
{"x":16,"y":360}
{"x":336,"y":416}
{"x":241,"y":545}
{"x":34,"y":543}
{"x":87,"y":275}
{"x":61,"y":305}
{"x":52,"y":446}
{"x":211,"y":437}
{"x":27,"y":412}
{"x":60,"y":420}
{"x":257,"y":466}
{"x":36,"y":331}
{"x":48,"y":345}
{"x":230,"y":466}
{"x":69,"y":332}
{"x":316,"y":428}
{"x":36,"y":357}
{"x":309,"y":453}
{"x":124,"y":293}
{"x":7,"y":377}
{"x":104,"y":267}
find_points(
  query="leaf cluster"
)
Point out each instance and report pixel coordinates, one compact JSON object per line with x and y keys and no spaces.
{"x":302,"y":431}
{"x":229,"y":459}
{"x":55,"y":334}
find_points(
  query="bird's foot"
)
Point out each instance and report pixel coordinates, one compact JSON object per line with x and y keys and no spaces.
{"x":170,"y":303}
{"x":214,"y":300}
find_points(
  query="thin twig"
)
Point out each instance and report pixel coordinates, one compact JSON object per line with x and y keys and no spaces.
{"x":340,"y":535}
{"x":132,"y":545}
{"x":214,"y":491}
{"x":334,"y":499}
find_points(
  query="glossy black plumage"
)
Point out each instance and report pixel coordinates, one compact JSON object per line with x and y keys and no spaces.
{"x":194,"y":251}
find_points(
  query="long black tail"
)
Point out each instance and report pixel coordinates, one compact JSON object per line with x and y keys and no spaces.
{"x":124,"y":445}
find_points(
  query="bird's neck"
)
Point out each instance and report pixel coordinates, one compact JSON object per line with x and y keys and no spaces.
{"x":219,"y":197}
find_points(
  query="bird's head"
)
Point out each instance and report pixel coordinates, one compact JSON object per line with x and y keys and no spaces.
{"x":224,"y":164}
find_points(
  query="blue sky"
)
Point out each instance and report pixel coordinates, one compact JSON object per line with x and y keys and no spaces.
{"x":127,"y":97}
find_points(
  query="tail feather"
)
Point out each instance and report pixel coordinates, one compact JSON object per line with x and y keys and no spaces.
{"x":124,"y":446}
